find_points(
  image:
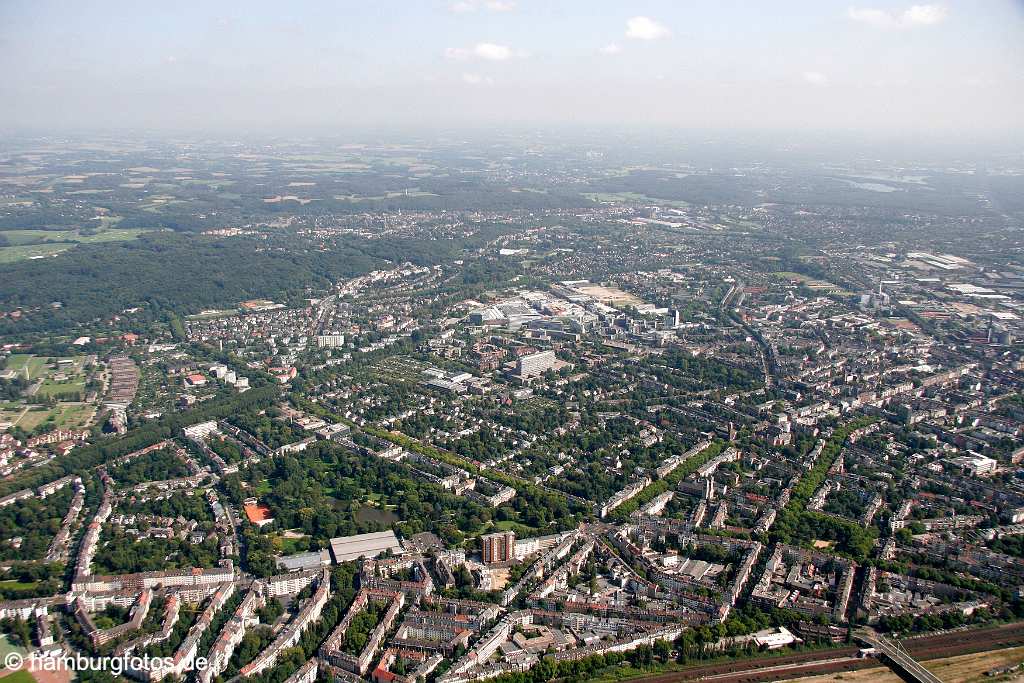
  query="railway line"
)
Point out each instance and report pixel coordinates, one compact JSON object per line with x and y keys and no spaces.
{"x":965,"y":641}
{"x":835,"y":660}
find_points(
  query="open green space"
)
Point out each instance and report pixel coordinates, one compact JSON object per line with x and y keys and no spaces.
{"x":61,"y":416}
{"x":67,"y":369}
{"x":810,"y":282}
{"x":27,"y":365}
{"x":212,"y":315}
{"x":29,"y":244}
{"x":616,"y":197}
{"x":51,"y":387}
{"x":411,"y":192}
{"x":20,"y":676}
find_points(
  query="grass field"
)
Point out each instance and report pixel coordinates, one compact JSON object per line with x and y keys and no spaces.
{"x":624,"y":197}
{"x":23,"y":243}
{"x":411,"y":192}
{"x":12,"y":254}
{"x":289,"y":546}
{"x":27,"y":365}
{"x":68,"y":416}
{"x":509,"y":525}
{"x":51,"y":387}
{"x":5,"y":649}
{"x":65,"y":415}
{"x":32,"y":418}
{"x":820,"y":285}
{"x":212,"y":315}
{"x":41,"y":367}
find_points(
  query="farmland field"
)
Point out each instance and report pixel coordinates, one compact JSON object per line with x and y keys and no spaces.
{"x":29,"y":244}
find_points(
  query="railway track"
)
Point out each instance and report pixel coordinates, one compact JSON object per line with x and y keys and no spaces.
{"x":753,"y":670}
{"x":965,"y":641}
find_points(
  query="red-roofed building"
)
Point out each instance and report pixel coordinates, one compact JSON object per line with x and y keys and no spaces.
{"x":195,"y":380}
{"x":258,"y":514}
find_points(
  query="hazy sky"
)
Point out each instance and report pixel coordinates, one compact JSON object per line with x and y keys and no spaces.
{"x":954,"y":66}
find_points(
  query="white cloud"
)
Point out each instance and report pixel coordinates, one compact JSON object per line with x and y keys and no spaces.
{"x":467,"y":6}
{"x":645,"y":28}
{"x":874,"y":17}
{"x":925,"y":15}
{"x":815,"y":78}
{"x":477,"y":79}
{"x":610,"y":49}
{"x":497,"y":53}
{"x":457,"y":54}
{"x":916,"y":15}
{"x":488,"y":51}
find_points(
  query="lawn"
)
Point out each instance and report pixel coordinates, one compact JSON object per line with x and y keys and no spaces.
{"x":411,"y":192}
{"x":70,"y":416}
{"x":17,"y":238}
{"x":50,"y":387}
{"x":39,"y":366}
{"x":33,"y":418}
{"x":18,"y":585}
{"x":623,"y":197}
{"x":36,"y":365}
{"x":5,"y":649}
{"x":289,"y":546}
{"x":65,"y":416}
{"x":211,"y":315}
{"x":522,"y":530}
{"x":75,"y":414}
{"x":57,"y":241}
{"x":818,"y":285}
{"x":24,"y":253}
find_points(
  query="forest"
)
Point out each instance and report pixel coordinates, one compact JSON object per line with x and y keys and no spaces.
{"x":166,"y":271}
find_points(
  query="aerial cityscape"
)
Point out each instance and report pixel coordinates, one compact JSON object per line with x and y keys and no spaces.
{"x":515,"y":403}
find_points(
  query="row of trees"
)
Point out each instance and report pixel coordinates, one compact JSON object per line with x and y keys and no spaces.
{"x":85,"y":458}
{"x":796,"y":525}
{"x":660,"y":486}
{"x":692,"y":645}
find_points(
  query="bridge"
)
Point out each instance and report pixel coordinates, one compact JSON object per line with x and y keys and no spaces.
{"x":896,"y":656}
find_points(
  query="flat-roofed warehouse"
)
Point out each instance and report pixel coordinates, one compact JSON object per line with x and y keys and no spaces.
{"x":364,"y":545}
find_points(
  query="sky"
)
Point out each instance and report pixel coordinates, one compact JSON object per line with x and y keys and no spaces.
{"x":875,"y":67}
